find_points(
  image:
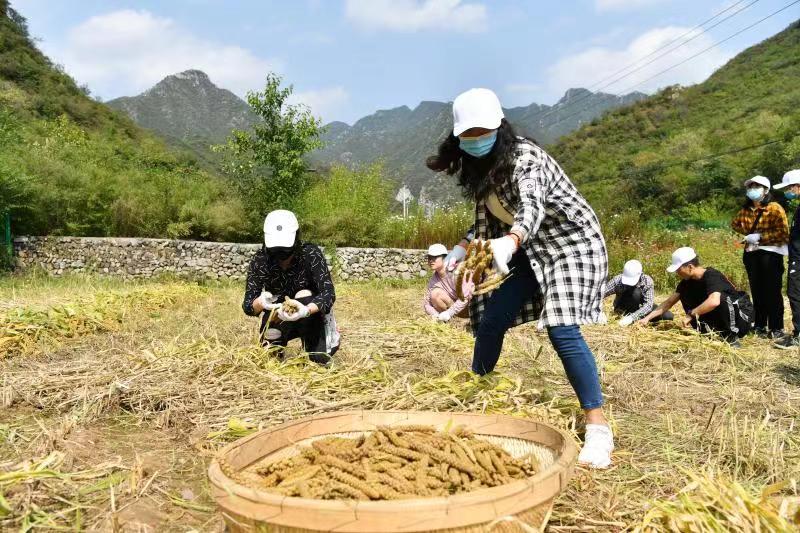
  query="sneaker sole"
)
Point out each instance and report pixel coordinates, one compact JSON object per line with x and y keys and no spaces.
{"x":781,"y":347}
{"x":595,"y":467}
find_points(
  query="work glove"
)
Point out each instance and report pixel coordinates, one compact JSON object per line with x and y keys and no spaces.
{"x":753,"y":238}
{"x":267,"y":300}
{"x":502,"y":250}
{"x":302,"y":312}
{"x":444,"y":316}
{"x":626,"y":321}
{"x":467,"y":288}
{"x":456,"y":255}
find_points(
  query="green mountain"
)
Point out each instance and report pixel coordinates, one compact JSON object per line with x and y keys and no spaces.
{"x":402,"y":138}
{"x":71,"y":165}
{"x":658,"y":156}
{"x":188,"y":110}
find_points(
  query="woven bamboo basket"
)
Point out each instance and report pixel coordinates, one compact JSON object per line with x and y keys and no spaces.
{"x":521,"y":506}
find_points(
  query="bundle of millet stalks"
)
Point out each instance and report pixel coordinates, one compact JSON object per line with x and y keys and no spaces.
{"x":477,"y":267}
{"x":289,"y":306}
{"x":390,"y":464}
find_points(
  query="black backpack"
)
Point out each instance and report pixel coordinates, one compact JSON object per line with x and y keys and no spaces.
{"x":745,"y":312}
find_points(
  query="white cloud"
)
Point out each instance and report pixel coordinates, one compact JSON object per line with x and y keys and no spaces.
{"x":416,"y":15}
{"x":127,"y":51}
{"x":323,"y":102}
{"x":586,"y":68}
{"x":623,"y":5}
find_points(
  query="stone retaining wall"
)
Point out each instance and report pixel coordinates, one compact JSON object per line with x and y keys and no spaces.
{"x":143,"y":258}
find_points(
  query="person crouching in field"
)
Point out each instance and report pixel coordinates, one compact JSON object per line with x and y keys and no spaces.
{"x":545,"y":234}
{"x":634,"y":294}
{"x":766,"y":230}
{"x":710,"y":301}
{"x":791,"y":186}
{"x":288,"y":268}
{"x":441,"y":301}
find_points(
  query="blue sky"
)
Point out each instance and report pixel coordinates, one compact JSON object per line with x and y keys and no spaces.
{"x":349,"y":58}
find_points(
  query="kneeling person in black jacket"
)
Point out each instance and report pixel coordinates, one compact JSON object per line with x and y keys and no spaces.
{"x":710,"y":301}
{"x":288,"y":268}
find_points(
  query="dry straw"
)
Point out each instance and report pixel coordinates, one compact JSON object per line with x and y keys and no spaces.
{"x":21,"y":328}
{"x":680,"y":403}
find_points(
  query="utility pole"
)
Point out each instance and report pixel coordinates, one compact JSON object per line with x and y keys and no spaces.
{"x":404,"y":196}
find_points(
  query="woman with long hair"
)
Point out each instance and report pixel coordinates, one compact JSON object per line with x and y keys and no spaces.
{"x":544,"y":235}
{"x":764,"y":224}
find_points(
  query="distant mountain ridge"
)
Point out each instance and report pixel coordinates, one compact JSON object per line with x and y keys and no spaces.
{"x":402,"y":137}
{"x":188,"y":110}
{"x":191,"y":112}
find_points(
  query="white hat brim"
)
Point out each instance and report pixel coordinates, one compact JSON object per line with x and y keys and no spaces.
{"x":461,"y":128}
{"x":283,"y":239}
{"x":754,"y":182}
{"x":630,"y":281}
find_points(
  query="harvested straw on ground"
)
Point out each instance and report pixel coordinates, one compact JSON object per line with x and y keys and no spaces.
{"x":713,"y":503}
{"x":21,"y":328}
{"x":183,"y":382}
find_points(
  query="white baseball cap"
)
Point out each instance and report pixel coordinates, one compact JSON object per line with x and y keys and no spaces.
{"x":790,"y":178}
{"x":758,"y":180}
{"x":476,"y":108}
{"x":435,"y":250}
{"x":631,"y":273}
{"x":280,"y":229}
{"x":680,"y":257}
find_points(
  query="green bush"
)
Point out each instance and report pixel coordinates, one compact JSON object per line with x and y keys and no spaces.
{"x":447,"y":226}
{"x":74,"y":181}
{"x":347,"y":208}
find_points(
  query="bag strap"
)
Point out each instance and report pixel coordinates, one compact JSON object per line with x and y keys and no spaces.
{"x":497,"y":209}
{"x":757,"y":219}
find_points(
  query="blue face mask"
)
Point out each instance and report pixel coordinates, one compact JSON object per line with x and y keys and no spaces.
{"x":478,"y":146}
{"x":790,"y":195}
{"x":755,"y":194}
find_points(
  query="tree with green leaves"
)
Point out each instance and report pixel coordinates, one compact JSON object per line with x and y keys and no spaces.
{"x":268,"y":163}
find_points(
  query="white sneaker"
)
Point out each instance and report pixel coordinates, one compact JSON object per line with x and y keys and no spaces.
{"x":596,"y":451}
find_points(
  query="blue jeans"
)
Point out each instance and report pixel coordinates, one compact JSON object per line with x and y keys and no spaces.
{"x":501,"y":309}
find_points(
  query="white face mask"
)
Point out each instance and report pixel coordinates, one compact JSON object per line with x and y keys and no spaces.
{"x":756,"y":193}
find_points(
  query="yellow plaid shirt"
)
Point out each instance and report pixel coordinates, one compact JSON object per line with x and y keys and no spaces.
{"x":773,"y":224}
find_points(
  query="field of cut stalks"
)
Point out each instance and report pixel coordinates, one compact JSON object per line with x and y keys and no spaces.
{"x":113,"y":398}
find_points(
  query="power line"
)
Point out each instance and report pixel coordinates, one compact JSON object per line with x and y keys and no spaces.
{"x":663,"y":166}
{"x":679,"y":38}
{"x":784,"y":8}
{"x":614,"y":81}
{"x":705,"y":50}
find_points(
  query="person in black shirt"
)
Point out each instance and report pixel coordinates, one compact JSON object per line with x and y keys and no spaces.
{"x":288,"y":268}
{"x":791,"y":183}
{"x":710,"y":301}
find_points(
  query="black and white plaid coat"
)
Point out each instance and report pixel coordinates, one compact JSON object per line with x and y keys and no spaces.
{"x":561,"y":236}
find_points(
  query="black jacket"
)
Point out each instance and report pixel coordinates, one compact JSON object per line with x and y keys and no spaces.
{"x":308,"y":271}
